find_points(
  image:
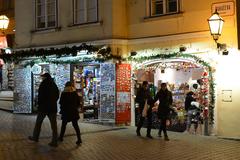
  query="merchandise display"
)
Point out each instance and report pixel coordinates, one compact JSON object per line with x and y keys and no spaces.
{"x":87,"y":82}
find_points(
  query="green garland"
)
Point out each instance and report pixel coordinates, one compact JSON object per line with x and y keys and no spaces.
{"x":42,"y":53}
{"x":197,"y":60}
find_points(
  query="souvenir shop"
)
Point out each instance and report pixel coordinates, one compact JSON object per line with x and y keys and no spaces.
{"x":181,"y":77}
{"x":86,"y":79}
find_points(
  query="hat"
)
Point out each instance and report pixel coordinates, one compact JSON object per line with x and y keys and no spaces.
{"x":47,"y":75}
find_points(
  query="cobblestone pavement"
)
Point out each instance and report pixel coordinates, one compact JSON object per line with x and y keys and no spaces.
{"x":107,"y":143}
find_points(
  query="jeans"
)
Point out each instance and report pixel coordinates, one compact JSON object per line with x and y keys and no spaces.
{"x":53,"y":121}
{"x":149,"y":122}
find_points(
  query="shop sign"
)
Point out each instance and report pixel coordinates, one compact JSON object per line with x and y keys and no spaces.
{"x":224,"y":8}
{"x":123,"y":87}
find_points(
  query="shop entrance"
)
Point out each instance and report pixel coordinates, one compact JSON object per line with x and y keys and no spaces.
{"x":181,"y":76}
{"x":86,"y":79}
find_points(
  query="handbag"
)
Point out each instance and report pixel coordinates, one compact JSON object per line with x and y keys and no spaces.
{"x":144,"y":112}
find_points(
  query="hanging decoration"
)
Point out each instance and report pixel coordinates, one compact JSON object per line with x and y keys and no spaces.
{"x":208,"y":78}
{"x":103,"y":53}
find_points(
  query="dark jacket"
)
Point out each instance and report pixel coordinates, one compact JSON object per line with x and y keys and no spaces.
{"x":188,"y":100}
{"x":69,"y":104}
{"x":141,"y":97}
{"x":165,"y":99}
{"x":48,"y":95}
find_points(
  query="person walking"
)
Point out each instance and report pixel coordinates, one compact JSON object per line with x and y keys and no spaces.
{"x":193,"y":111}
{"x":69,"y":105}
{"x":142,"y":96}
{"x":48,"y":95}
{"x":165,"y":101}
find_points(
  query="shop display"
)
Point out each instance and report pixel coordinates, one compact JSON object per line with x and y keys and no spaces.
{"x":107,"y":95}
{"x":87,"y":82}
{"x":123,"y":88}
{"x":23,"y":90}
{"x":181,"y":77}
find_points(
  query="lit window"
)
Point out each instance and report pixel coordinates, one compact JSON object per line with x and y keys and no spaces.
{"x":46,"y":14}
{"x":85,"y":11}
{"x":162,"y":7}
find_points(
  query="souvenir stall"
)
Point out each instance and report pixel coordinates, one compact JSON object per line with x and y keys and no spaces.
{"x":181,"y":77}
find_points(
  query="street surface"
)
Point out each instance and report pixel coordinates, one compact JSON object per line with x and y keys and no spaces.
{"x":107,"y":143}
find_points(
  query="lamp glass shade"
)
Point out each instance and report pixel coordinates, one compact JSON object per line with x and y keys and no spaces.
{"x":4,"y":21}
{"x":215,"y":24}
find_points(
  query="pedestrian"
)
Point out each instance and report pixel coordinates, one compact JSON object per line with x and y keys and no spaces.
{"x":143,"y":96}
{"x":69,"y":105}
{"x":165,"y":101}
{"x":48,"y":95}
{"x":193,"y":111}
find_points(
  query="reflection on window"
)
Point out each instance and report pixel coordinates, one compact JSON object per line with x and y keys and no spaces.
{"x":45,"y":14}
{"x":85,"y":11}
{"x":162,"y":7}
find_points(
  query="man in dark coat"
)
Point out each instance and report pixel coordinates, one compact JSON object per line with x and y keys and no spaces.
{"x":143,"y":95}
{"x":165,"y":101}
{"x":48,"y":95}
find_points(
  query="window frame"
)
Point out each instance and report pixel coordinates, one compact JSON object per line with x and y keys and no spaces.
{"x":86,"y":21}
{"x":165,"y":8}
{"x":45,"y":15}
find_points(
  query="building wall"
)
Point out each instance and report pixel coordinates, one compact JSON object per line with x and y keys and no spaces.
{"x":27,"y":36}
{"x":190,"y":29}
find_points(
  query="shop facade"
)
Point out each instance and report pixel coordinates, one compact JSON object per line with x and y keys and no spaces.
{"x":104,"y":87}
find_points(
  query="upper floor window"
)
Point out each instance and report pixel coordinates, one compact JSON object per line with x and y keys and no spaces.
{"x":6,"y":5}
{"x":162,"y":7}
{"x":85,"y":11}
{"x":46,"y":14}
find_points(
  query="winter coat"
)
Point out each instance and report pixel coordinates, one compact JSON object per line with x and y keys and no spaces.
{"x":188,"y":100}
{"x":141,"y":97}
{"x":69,"y":104}
{"x":165,"y":99}
{"x":48,"y":95}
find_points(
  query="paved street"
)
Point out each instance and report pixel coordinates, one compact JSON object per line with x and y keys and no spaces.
{"x":107,"y":143}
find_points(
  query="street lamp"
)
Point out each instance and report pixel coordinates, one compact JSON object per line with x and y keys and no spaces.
{"x":4,"y":21}
{"x":215,"y":24}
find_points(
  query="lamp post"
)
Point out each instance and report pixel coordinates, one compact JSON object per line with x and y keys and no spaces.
{"x":4,"y":21}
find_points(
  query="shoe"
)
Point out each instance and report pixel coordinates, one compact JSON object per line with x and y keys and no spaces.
{"x":149,"y":136}
{"x":53,"y":144}
{"x":32,"y":139}
{"x":166,"y":138}
{"x":79,"y":142}
{"x":138,"y":133}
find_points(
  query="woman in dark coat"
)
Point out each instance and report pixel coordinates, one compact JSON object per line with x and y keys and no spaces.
{"x":69,"y":104}
{"x":165,"y":98}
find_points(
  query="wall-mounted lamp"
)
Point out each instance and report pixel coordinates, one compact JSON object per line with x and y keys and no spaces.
{"x":4,"y":21}
{"x":215,"y":23}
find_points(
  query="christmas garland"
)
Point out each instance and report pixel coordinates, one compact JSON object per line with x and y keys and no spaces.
{"x":42,"y":53}
{"x":140,"y":59}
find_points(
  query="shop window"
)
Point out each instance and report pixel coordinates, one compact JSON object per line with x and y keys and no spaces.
{"x":85,"y":11}
{"x":46,"y":14}
{"x":163,"y":7}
